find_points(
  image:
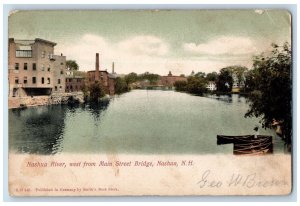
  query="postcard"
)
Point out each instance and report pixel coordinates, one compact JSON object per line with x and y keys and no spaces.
{"x":150,"y":102}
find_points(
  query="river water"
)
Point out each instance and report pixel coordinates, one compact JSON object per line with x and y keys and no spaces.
{"x":137,"y":122}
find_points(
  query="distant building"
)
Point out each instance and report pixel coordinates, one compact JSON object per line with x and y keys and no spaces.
{"x":211,"y":86}
{"x":75,"y":84}
{"x":33,"y":69}
{"x":169,"y":80}
{"x":237,"y":84}
{"x":106,"y":79}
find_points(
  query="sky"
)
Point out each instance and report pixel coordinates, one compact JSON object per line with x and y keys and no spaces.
{"x":157,"y":41}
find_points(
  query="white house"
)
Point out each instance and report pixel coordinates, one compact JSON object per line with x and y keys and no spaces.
{"x":211,"y":86}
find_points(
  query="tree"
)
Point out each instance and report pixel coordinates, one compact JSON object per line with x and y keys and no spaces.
{"x":153,"y":78}
{"x":121,"y":86}
{"x":96,"y":91}
{"x":72,"y":65}
{"x":180,"y":86}
{"x":212,"y":76}
{"x":196,"y":85}
{"x":272,"y":89}
{"x":131,"y":77}
{"x":200,"y":74}
{"x":224,"y":81}
{"x":239,"y":71}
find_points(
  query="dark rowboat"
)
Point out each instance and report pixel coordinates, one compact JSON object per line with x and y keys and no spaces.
{"x":248,"y":144}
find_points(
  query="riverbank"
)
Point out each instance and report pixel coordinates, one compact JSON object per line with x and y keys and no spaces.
{"x":32,"y":101}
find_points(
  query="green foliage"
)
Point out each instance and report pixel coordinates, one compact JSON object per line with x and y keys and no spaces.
{"x":85,"y":91}
{"x":200,"y":74}
{"x":194,"y":85}
{"x":153,"y":78}
{"x":72,"y":65}
{"x":121,"y":85}
{"x":180,"y":86}
{"x":224,"y":81}
{"x":131,"y":78}
{"x":96,"y":91}
{"x":271,"y":85}
{"x":212,"y":76}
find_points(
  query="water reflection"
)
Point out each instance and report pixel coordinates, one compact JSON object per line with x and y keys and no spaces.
{"x":141,"y":121}
{"x":97,"y":108}
{"x":38,"y":130}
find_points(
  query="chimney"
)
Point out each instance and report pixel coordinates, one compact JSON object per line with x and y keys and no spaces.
{"x":97,"y":68}
{"x":113,"y":67}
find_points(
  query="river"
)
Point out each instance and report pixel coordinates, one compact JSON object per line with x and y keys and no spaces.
{"x":137,"y":122}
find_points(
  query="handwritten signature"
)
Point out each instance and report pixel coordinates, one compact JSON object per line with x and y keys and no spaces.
{"x":251,"y":180}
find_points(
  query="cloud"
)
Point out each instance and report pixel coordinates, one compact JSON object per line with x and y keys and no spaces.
{"x":223,"y":45}
{"x":138,"y":54}
{"x":144,"y":45}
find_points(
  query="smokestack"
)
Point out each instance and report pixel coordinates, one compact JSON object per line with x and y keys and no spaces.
{"x":113,"y":67}
{"x":97,"y":67}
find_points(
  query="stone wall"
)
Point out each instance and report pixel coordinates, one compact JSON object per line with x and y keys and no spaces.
{"x":63,"y":98}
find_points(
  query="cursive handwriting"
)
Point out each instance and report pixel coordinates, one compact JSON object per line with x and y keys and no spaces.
{"x":251,"y":180}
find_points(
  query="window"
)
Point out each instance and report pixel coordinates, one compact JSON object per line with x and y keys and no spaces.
{"x":16,"y":66}
{"x":25,"y":66}
{"x":78,"y":80}
{"x":55,"y":88}
{"x":58,"y":81}
{"x":24,"y":53}
{"x":34,"y":66}
{"x":43,"y":80}
{"x":33,"y":80}
{"x":61,"y":63}
{"x":48,"y":80}
{"x":17,"y":80}
{"x":43,"y":54}
{"x":43,"y":67}
{"x":25,"y":80}
{"x":48,"y":68}
{"x":61,"y":72}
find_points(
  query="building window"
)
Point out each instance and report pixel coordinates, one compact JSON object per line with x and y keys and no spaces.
{"x":43,"y":67}
{"x":58,"y":81}
{"x":24,"y":53}
{"x":43,"y":80}
{"x":78,"y":80}
{"x":55,"y":88}
{"x":17,"y":80}
{"x":43,"y":54}
{"x":61,"y":63}
{"x":25,"y":80}
{"x":34,"y":66}
{"x":33,"y":80}
{"x":61,"y":72}
{"x":16,"y":66}
{"x":25,"y":66}
{"x":48,"y":80}
{"x":49,"y":68}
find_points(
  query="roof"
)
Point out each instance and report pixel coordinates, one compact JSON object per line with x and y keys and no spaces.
{"x":76,"y":77}
{"x":99,"y":71}
{"x":29,"y":42}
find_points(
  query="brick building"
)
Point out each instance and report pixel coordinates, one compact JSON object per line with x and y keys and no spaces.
{"x":106,"y":79}
{"x":169,"y":80}
{"x":33,"y":69}
{"x":75,"y":84}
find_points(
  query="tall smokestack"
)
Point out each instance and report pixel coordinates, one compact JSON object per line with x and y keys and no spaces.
{"x":113,"y":67}
{"x":97,"y":68}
